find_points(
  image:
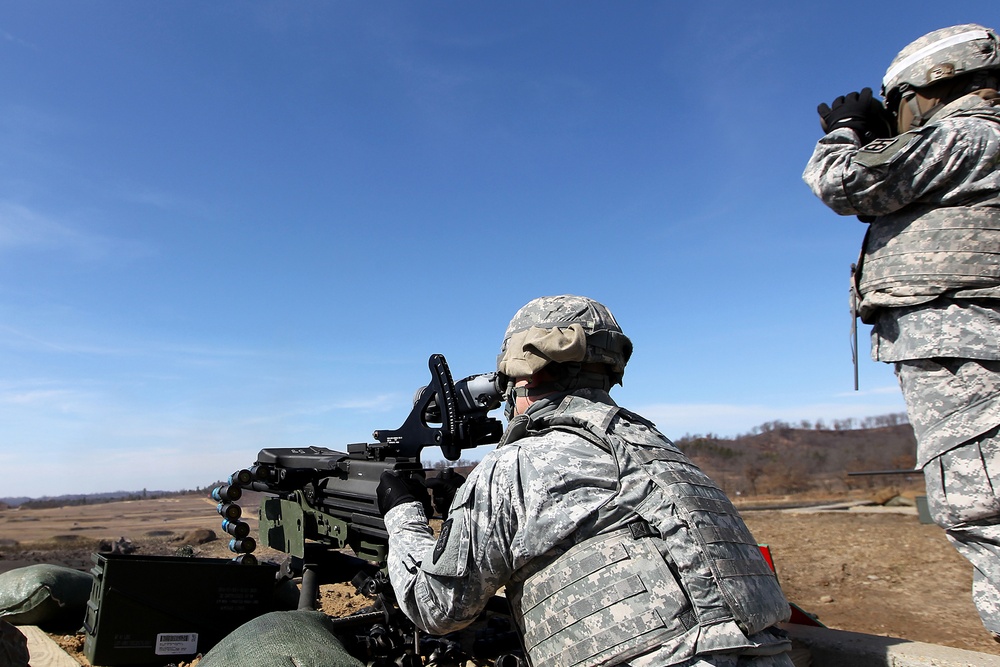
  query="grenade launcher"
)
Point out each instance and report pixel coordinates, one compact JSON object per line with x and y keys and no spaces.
{"x":318,"y":501}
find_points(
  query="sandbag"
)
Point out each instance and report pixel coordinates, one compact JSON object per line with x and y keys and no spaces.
{"x":281,"y":639}
{"x":45,"y":595}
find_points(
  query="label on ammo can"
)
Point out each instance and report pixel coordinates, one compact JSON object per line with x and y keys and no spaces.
{"x":176,"y":644}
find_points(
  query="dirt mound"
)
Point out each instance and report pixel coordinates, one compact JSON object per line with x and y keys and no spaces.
{"x":198,"y":536}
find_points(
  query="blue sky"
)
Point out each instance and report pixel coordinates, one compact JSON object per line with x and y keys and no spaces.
{"x":231,"y":225}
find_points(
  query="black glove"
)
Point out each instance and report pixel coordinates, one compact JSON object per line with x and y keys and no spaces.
{"x":859,"y":111}
{"x":394,"y":489}
{"x":444,"y":487}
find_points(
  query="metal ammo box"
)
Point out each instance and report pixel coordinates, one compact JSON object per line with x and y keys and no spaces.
{"x":161,"y":609}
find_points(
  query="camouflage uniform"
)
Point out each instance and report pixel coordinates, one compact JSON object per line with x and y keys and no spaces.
{"x":929,"y":283}
{"x":563,"y":486}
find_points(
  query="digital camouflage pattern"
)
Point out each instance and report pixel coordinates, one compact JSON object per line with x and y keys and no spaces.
{"x":945,"y":327}
{"x":949,"y":401}
{"x":604,"y":341}
{"x":930,"y":284}
{"x":962,"y":499}
{"x":562,"y":310}
{"x":732,"y":660}
{"x":888,"y":175}
{"x":941,"y":55}
{"x":953,"y":406}
{"x":506,"y":515}
{"x":934,"y":193}
{"x":539,"y":495}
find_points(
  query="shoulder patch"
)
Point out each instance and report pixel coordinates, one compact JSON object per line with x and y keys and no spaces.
{"x":879,"y":145}
{"x":442,"y":541}
{"x":881,"y":151}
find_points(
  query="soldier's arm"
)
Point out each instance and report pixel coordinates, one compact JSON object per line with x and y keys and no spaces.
{"x":516,"y":507}
{"x":930,"y":163}
{"x":443,"y":584}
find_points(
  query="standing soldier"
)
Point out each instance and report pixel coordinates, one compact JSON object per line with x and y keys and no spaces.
{"x":613,"y":547}
{"x":922,"y":171}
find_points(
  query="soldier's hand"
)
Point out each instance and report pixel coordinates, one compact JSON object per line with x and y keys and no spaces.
{"x":859,"y":111}
{"x":444,"y":487}
{"x":395,"y":489}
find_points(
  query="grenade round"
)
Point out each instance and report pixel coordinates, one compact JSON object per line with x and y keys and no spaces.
{"x":245,"y":559}
{"x":244,"y":546}
{"x":237,"y":529}
{"x":229,"y":511}
{"x":241,"y":477}
{"x":262,"y":473}
{"x":227,"y":493}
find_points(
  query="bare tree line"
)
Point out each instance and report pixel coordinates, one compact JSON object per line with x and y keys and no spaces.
{"x":778,"y":458}
{"x":777,"y":425}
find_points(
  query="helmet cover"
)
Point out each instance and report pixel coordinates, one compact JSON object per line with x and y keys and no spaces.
{"x":561,"y":329}
{"x":940,"y":55}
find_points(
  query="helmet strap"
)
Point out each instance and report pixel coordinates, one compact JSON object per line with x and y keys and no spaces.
{"x":915,"y":109}
{"x":922,"y":103}
{"x":565,"y":377}
{"x":572,"y":375}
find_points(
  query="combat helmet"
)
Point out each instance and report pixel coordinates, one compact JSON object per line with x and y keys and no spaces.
{"x":575,"y":337}
{"x":938,"y":56}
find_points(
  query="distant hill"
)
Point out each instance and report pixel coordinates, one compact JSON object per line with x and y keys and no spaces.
{"x":775,"y":458}
{"x":93,"y":498}
{"x":782,"y":459}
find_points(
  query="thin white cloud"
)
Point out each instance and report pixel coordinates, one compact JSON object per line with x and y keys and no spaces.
{"x":150,"y":197}
{"x":286,"y":413}
{"x":43,"y":397}
{"x":8,"y":37}
{"x":23,"y":228}
{"x":20,"y":338}
{"x":37,"y":402}
{"x":370,"y":404}
{"x":19,"y":226}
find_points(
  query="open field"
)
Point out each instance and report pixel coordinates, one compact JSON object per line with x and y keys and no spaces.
{"x":870,"y":570}
{"x":135,"y":518}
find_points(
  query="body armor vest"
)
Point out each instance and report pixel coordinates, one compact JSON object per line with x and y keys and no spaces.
{"x":676,"y":569}
{"x":925,"y":250}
